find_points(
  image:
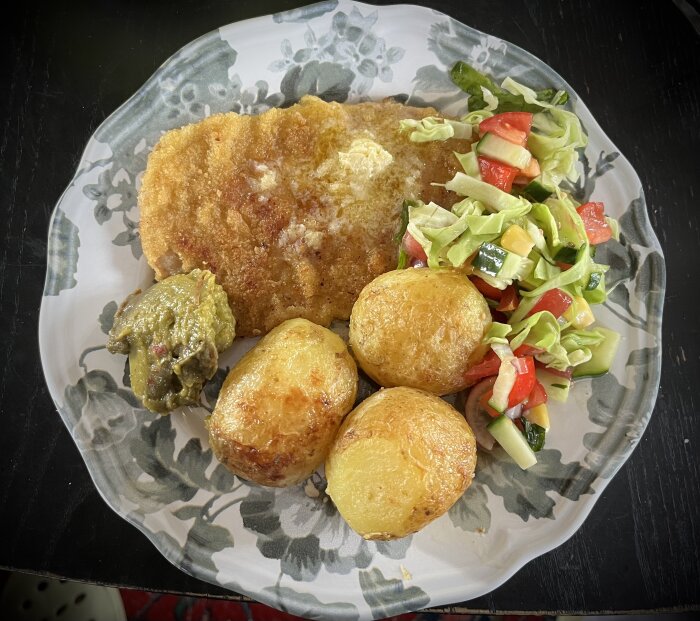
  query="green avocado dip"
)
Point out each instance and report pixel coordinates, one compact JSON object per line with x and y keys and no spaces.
{"x":173,"y":333}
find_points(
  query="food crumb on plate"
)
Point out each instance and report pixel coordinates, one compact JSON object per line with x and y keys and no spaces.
{"x":310,"y":489}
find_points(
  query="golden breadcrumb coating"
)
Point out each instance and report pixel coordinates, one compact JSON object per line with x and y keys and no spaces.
{"x":293,"y":210}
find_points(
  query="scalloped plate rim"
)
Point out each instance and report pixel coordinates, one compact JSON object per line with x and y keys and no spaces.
{"x":569,"y":523}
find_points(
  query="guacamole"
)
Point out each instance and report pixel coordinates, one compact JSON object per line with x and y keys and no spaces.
{"x":173,"y":333}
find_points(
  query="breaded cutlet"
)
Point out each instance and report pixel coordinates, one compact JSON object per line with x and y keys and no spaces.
{"x":294,"y":210}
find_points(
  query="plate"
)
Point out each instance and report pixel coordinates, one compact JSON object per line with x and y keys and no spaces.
{"x":289,"y":548}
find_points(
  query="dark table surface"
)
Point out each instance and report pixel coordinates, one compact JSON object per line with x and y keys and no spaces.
{"x":67,"y":65}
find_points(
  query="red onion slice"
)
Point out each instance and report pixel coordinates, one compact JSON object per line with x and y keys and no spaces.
{"x":514,"y":412}
{"x":476,"y":417}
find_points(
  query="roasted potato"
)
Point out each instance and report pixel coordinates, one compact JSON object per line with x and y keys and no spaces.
{"x":281,"y":405}
{"x":401,"y":459}
{"x":420,"y":328}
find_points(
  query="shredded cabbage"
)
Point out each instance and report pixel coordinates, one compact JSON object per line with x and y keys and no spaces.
{"x":561,"y":347}
{"x":435,"y":128}
{"x":530,"y":96}
{"x":544,"y":218}
{"x":540,"y":330}
{"x":490,"y":99}
{"x":544,"y":270}
{"x":450,"y":237}
{"x":575,"y":275}
{"x":427,"y":216}
{"x":469,"y":163}
{"x":497,"y":333}
{"x":555,"y":137}
{"x":476,"y":116}
{"x":614,"y":226}
{"x":537,"y":235}
{"x":543,"y":331}
{"x":493,"y":197}
{"x":578,"y":343}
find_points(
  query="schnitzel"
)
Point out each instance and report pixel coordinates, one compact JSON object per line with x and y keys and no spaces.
{"x":294,"y":210}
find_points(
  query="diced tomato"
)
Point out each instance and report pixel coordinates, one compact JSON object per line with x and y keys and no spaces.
{"x":519,"y":120}
{"x":509,"y":299}
{"x":487,"y":290}
{"x":511,"y":126}
{"x":537,"y":396}
{"x":487,"y":367}
{"x":555,"y":301}
{"x":484,"y":404}
{"x":413,"y":248}
{"x":495,"y":173}
{"x":524,"y":381}
{"x":593,"y":216}
{"x":564,"y":266}
{"x":568,"y":373}
{"x":527,"y":350}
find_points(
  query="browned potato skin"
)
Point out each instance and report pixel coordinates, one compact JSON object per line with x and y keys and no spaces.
{"x":401,"y":459}
{"x":280,"y":407}
{"x":419,"y":327}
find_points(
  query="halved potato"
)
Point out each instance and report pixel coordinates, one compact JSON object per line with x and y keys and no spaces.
{"x":281,"y":405}
{"x":421,"y":328}
{"x":401,"y":459}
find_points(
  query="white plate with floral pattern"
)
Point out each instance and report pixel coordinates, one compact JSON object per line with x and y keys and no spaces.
{"x":290,"y":548}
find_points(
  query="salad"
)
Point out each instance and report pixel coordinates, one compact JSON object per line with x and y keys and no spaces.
{"x":527,"y":245}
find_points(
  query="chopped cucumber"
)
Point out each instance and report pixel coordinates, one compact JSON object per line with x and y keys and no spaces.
{"x":498,"y":262}
{"x":488,"y":194}
{"x":534,"y":434}
{"x":594,"y":281}
{"x":602,"y":355}
{"x":567,"y":254}
{"x":537,"y":192}
{"x":501,"y":150}
{"x":594,"y":293}
{"x":490,"y":259}
{"x":513,"y":442}
{"x":557,"y":387}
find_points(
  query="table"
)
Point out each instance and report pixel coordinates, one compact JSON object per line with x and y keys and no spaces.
{"x":69,"y":65}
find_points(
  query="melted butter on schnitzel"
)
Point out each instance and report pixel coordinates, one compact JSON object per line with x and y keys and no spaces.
{"x":293,"y":210}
